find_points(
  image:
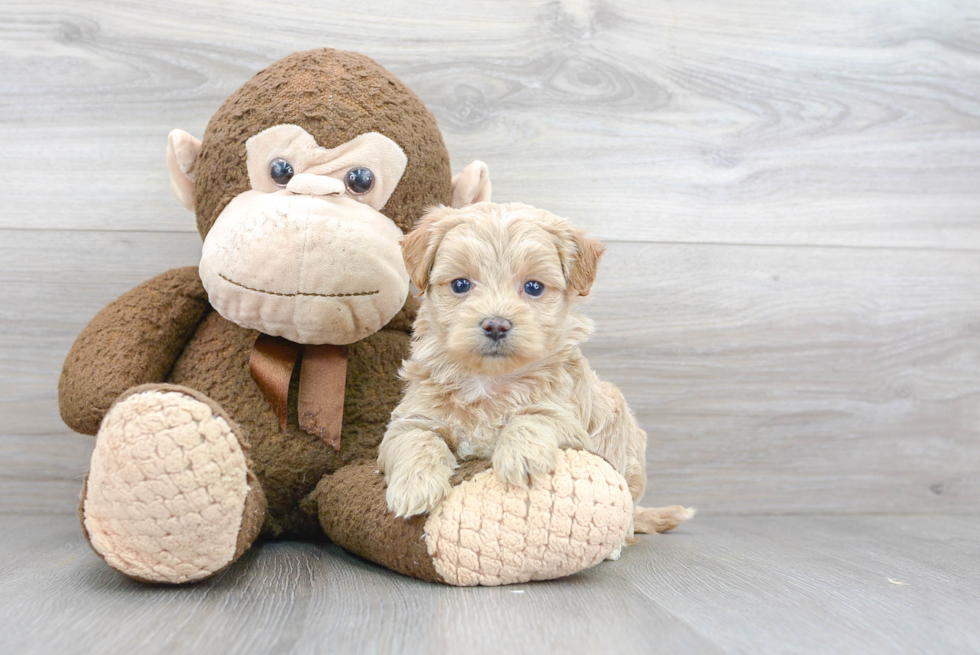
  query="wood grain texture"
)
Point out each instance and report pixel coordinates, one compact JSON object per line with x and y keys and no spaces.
{"x":901,"y":584}
{"x":787,"y":380}
{"x":784,"y":123}
{"x":770,"y":379}
{"x":790,"y":300}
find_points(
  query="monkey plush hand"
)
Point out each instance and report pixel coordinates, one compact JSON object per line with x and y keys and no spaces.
{"x":248,"y":396}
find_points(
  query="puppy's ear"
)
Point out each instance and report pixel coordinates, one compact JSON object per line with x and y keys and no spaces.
{"x":584,"y":262}
{"x":579,"y":254}
{"x":414,"y":247}
{"x":419,"y":246}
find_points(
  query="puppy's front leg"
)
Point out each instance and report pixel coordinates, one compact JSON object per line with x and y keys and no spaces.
{"x":528,"y":446}
{"x":417,"y":465}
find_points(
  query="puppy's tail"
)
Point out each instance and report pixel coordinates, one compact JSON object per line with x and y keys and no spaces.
{"x":660,"y":519}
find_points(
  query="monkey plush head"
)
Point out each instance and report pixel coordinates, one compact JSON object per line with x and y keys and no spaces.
{"x":305,"y":181}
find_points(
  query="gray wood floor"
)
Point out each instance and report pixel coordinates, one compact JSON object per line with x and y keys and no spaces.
{"x":817,"y":584}
{"x":790,"y":302}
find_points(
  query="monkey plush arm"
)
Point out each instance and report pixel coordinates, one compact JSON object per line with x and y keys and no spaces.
{"x":134,"y":340}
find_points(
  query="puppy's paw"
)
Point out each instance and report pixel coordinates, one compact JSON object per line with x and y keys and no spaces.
{"x":519,"y":459}
{"x":417,"y":492}
{"x":417,"y":465}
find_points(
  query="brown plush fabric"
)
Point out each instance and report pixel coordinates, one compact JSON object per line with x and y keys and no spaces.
{"x":360,"y":522}
{"x":134,"y":340}
{"x":166,"y":331}
{"x":253,"y":517}
{"x":467,"y":469}
{"x":334,"y":96}
{"x":354,"y":514}
{"x":289,"y":464}
{"x":213,"y":367}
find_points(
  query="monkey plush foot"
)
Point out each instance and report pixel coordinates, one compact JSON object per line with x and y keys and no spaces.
{"x":169,"y":496}
{"x":486,"y":532}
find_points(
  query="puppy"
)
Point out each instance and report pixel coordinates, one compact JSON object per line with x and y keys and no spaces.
{"x":495,"y":370}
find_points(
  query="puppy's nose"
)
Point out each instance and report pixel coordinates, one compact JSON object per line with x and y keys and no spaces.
{"x":496,"y":328}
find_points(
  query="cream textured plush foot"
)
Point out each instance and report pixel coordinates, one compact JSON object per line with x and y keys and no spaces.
{"x":166,"y":492}
{"x":487,"y":532}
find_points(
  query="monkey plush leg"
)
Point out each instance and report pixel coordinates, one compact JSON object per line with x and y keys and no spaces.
{"x":169,"y":496}
{"x":485,"y":532}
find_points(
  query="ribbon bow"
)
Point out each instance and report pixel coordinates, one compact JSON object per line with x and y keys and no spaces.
{"x":322,"y":379}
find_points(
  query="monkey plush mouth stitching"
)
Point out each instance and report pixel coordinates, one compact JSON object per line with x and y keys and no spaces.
{"x":300,"y":293}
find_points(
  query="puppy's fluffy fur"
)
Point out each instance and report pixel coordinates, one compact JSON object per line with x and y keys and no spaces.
{"x":514,"y":400}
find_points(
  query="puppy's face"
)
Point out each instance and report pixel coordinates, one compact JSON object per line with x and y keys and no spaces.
{"x":499,"y":281}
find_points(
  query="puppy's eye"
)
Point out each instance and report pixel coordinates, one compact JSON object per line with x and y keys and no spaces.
{"x":460,"y":286}
{"x":534,"y":288}
{"x":281,"y":172}
{"x":359,"y":180}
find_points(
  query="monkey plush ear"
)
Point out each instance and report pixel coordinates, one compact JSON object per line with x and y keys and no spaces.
{"x":182,"y":152}
{"x":471,"y":185}
{"x":420,"y":245}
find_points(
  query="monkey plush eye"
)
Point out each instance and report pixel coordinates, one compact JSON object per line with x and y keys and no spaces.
{"x":460,"y":286}
{"x":281,"y":171}
{"x":534,"y":288}
{"x":359,"y":180}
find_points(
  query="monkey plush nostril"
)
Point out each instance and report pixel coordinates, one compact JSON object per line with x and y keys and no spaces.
{"x":496,"y":328}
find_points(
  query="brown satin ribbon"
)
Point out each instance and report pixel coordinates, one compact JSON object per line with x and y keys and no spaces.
{"x":322,"y":378}
{"x":271,"y":365}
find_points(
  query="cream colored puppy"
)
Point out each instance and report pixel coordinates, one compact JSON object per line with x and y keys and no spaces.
{"x":495,"y":370}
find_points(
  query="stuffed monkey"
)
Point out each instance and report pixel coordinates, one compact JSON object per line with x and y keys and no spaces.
{"x":246,"y":397}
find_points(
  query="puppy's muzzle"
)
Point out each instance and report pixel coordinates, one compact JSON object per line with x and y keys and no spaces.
{"x":495,"y":327}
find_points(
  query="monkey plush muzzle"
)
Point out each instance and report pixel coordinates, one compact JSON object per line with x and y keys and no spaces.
{"x":312,"y":269}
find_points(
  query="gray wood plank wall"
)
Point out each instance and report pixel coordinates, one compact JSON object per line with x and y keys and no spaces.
{"x":791,"y":297}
